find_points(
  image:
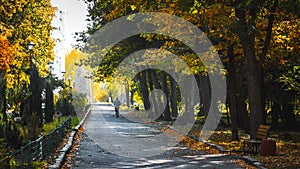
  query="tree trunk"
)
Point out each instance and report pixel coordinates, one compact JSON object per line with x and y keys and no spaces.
{"x":155,"y":79}
{"x":243,"y":115}
{"x":246,"y":33}
{"x":191,"y":103}
{"x":254,"y":86}
{"x":144,"y":90}
{"x":264,"y":53}
{"x":131,"y":95}
{"x":240,"y":99}
{"x":288,"y":115}
{"x":151,"y":97}
{"x":127,"y":94}
{"x":49,"y":109}
{"x":167,"y":113}
{"x":3,"y":95}
{"x":35,"y":97}
{"x":205,"y":94}
{"x":156,"y":100}
{"x":232,"y":93}
{"x":173,"y":98}
{"x":275,"y":113}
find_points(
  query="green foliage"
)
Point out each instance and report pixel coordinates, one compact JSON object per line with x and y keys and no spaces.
{"x":35,"y":165}
{"x":79,"y":102}
{"x":291,"y":80}
{"x":13,"y":164}
{"x":65,"y":101}
{"x":13,"y":134}
{"x":39,"y":164}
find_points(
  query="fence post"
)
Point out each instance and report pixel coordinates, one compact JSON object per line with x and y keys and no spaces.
{"x":22,"y":157}
{"x":44,"y":146}
{"x":70,"y":123}
{"x":41,"y":146}
{"x":29,"y":153}
{"x":8,"y":161}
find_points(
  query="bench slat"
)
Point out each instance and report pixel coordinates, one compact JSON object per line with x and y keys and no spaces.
{"x":262,"y":133}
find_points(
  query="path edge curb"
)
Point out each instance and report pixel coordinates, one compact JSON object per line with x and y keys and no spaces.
{"x":247,"y":159}
{"x":65,"y":150}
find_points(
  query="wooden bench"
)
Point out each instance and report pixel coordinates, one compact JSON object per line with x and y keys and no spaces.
{"x":252,"y":145}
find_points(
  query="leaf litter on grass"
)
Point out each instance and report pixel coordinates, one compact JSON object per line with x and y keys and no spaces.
{"x":287,"y":146}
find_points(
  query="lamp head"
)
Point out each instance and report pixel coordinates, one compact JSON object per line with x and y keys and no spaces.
{"x":31,"y":45}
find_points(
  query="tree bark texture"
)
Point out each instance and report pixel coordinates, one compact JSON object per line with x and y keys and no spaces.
{"x":232,"y":94}
{"x":3,"y":103}
{"x":156,"y":100}
{"x":127,"y":94}
{"x":246,"y":32}
{"x":205,"y":93}
{"x":275,"y":113}
{"x":167,"y":113}
{"x":173,"y":98}
{"x":49,"y":109}
{"x":264,"y":53}
{"x":35,"y":96}
{"x":144,"y":90}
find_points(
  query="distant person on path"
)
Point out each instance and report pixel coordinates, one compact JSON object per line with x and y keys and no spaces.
{"x":117,"y":104}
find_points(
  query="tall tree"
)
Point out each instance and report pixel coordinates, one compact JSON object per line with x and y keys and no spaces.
{"x":21,"y":22}
{"x":232,"y":95}
{"x":246,"y":14}
{"x":167,"y":113}
{"x":6,"y":55}
{"x":144,"y":89}
{"x":173,"y":97}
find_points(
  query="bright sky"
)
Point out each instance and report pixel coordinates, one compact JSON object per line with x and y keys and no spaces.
{"x":74,"y":20}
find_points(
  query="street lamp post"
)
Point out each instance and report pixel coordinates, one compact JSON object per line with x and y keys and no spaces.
{"x":91,"y":88}
{"x":49,"y":107}
{"x":70,"y":88}
{"x":70,"y":98}
{"x":30,"y":46}
{"x":69,"y":80}
{"x":63,"y":76}
{"x":50,"y":65}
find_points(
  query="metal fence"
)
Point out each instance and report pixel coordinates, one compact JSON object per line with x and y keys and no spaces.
{"x":39,"y":149}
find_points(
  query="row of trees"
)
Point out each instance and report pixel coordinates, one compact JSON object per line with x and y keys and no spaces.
{"x":25,"y":81}
{"x":257,"y":41}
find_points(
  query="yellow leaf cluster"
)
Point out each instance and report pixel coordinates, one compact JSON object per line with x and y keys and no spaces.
{"x":6,"y":53}
{"x":23,"y":21}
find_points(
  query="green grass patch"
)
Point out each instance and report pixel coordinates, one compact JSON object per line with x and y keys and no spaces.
{"x":49,"y":127}
{"x":75,"y":121}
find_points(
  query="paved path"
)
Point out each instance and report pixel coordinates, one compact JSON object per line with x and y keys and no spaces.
{"x":99,"y":146}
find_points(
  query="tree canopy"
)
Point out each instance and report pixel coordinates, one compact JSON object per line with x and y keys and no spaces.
{"x":257,"y":42}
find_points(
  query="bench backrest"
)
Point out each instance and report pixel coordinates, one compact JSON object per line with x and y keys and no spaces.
{"x":262,"y":132}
